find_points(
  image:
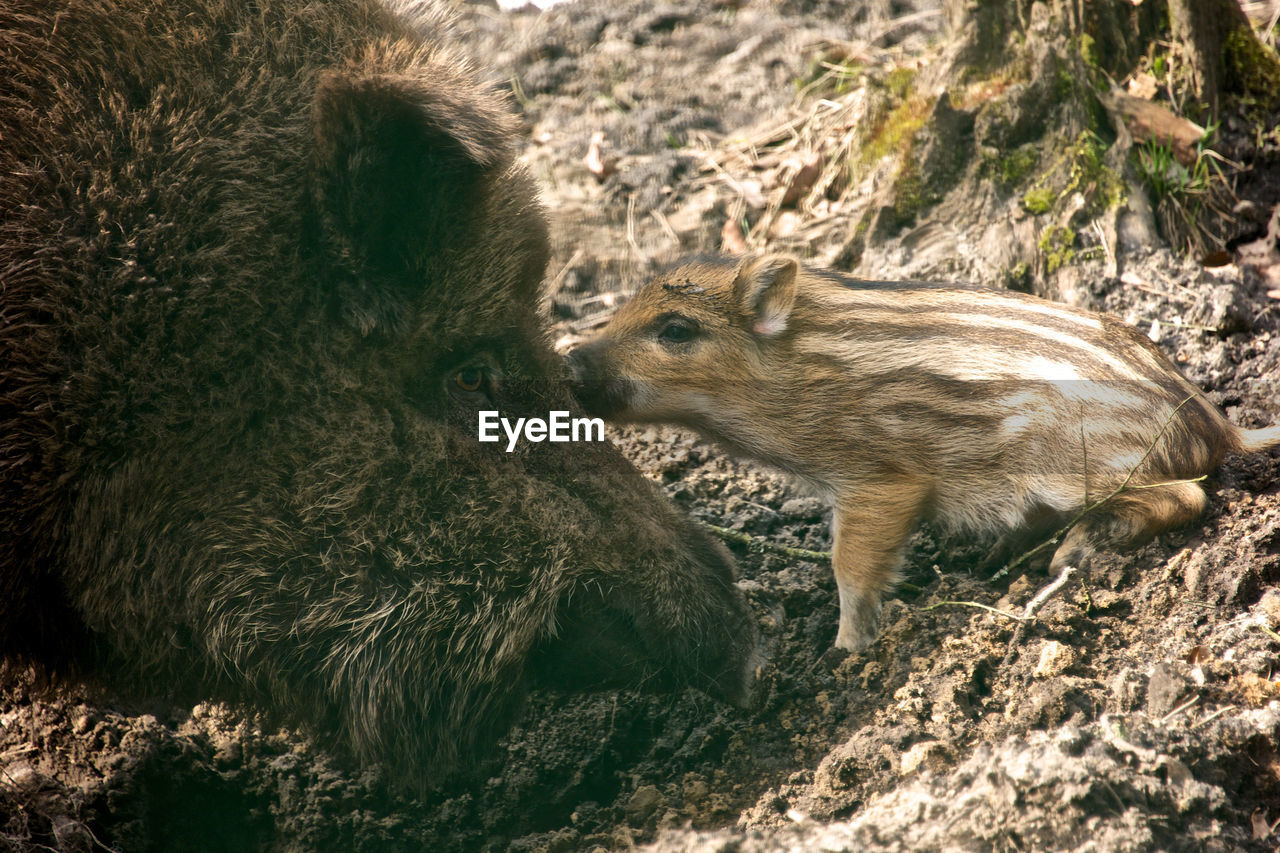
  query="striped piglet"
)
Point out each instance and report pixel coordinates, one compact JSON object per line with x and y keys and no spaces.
{"x":982,"y":410}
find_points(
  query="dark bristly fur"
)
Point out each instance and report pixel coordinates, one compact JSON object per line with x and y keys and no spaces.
{"x":245,"y":251}
{"x":983,"y":410}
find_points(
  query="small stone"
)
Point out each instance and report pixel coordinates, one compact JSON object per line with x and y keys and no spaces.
{"x":929,"y":754}
{"x":1128,"y":691}
{"x":643,"y":803}
{"x":228,"y":754}
{"x":1055,"y":659}
{"x":1104,"y":599}
{"x":1177,"y":773}
{"x":20,"y":775}
{"x":696,"y":789}
{"x":1269,"y":604}
{"x":1166,"y":688}
{"x":806,"y":508}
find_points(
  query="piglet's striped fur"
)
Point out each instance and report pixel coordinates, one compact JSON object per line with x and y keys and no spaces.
{"x":982,"y":410}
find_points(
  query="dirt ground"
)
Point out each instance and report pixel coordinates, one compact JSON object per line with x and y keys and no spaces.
{"x":1138,"y":710}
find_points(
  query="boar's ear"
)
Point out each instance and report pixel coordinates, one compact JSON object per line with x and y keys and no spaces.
{"x":405,"y":164}
{"x":765,"y":289}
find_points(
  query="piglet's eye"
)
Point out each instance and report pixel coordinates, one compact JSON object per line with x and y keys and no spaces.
{"x":677,"y":331}
{"x":469,"y":378}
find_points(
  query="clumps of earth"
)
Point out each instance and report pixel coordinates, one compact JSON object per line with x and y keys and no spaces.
{"x":1137,"y":708}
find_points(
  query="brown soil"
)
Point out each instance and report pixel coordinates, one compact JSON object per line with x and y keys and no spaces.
{"x":1139,"y":710}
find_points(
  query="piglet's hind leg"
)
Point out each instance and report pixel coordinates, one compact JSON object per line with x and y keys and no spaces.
{"x":1128,"y":520}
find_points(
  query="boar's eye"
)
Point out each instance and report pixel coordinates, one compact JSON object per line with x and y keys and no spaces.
{"x":469,"y":378}
{"x":678,"y":330}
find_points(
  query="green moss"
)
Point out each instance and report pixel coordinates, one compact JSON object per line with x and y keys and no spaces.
{"x":1017,"y":277}
{"x":909,"y":195}
{"x":1252,"y":68}
{"x":1112,"y":191}
{"x":1089,"y":150}
{"x":1160,"y":66}
{"x":899,"y":81}
{"x":850,"y":254}
{"x":1057,"y":242}
{"x":1011,"y":169}
{"x":895,"y":133}
{"x":1038,"y":200}
{"x":1078,"y":165}
{"x":1089,"y":50}
{"x":1102,"y":186}
{"x":1064,"y":86}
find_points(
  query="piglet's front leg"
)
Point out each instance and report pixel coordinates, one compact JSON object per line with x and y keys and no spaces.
{"x":870,"y":528}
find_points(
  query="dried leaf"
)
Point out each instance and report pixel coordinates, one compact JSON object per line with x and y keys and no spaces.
{"x":803,"y":174}
{"x":732,"y":239}
{"x":1143,"y":86}
{"x":753,"y":193}
{"x":1149,"y":120}
{"x":786,"y":223}
{"x":596,"y":161}
{"x":1261,"y":828}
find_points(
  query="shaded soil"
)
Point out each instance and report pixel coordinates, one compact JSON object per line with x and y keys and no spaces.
{"x":1139,"y":710}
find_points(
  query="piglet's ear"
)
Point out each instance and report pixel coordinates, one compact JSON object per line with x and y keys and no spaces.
{"x":766,"y":291}
{"x":404,"y":163}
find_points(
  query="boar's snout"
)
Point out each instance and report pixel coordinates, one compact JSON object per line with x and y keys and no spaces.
{"x":595,"y":382}
{"x":654,"y":602}
{"x":728,"y":666}
{"x":720,"y":655}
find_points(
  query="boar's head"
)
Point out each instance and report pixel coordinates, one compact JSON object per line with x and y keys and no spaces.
{"x":264,"y":268}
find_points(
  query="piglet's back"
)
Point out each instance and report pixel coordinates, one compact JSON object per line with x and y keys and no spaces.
{"x":1000,"y":369}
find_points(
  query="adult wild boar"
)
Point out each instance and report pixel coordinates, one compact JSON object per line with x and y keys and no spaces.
{"x":261,"y":265}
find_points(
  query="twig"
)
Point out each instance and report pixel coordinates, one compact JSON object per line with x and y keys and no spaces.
{"x":21,"y":749}
{"x":1122,"y":743}
{"x":1106,"y":247}
{"x":1179,"y":323}
{"x":757,"y":544}
{"x":725,"y":176}
{"x":631,"y":228}
{"x":1043,"y":595}
{"x":1173,"y":297}
{"x":1199,"y":479}
{"x":1178,"y":710}
{"x":1215,"y":715}
{"x":989,"y":609}
{"x":564,"y":270}
{"x":1029,"y":611}
{"x":1263,"y":628}
{"x":903,"y":21}
{"x":666,"y":226}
